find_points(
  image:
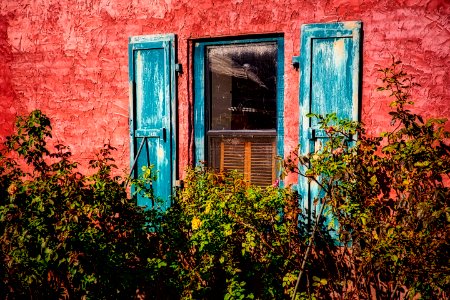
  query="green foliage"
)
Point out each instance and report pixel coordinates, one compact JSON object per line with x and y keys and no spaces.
{"x":64,"y":234}
{"x":390,"y":197}
{"x":233,"y":241}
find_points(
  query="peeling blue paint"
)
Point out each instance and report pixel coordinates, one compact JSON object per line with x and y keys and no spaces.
{"x":329,"y":83}
{"x":152,"y":111}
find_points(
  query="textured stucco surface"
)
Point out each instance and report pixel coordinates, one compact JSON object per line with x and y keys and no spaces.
{"x":69,"y":58}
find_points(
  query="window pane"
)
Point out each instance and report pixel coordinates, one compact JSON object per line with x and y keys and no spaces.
{"x":241,"y":86}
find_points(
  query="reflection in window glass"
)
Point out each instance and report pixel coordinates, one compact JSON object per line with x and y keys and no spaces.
{"x":241,"y":86}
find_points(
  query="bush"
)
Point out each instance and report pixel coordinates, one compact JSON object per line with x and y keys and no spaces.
{"x":68,"y":235}
{"x":389,"y":196}
{"x":226,"y":239}
{"x":62,"y":233}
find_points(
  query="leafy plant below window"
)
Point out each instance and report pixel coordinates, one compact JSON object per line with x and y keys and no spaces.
{"x":64,"y":234}
{"x":389,"y":196}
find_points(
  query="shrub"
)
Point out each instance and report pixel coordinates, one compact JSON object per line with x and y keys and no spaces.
{"x":68,"y":235}
{"x":226,"y":239}
{"x":389,"y":196}
{"x":62,"y":233}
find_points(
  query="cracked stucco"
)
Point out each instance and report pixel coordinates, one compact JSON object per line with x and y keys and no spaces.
{"x":69,"y":58}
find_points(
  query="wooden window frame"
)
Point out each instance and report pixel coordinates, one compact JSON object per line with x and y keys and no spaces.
{"x":200,"y":118}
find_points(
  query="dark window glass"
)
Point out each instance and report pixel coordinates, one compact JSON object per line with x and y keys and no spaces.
{"x":242,"y":86}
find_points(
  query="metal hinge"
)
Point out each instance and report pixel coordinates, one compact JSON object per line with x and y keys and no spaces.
{"x":179,"y":183}
{"x":178,"y":68}
{"x":296,"y":61}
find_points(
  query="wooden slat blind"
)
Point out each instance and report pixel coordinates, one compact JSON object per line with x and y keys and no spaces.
{"x":253,"y":156}
{"x":263,"y":163}
{"x":232,"y":156}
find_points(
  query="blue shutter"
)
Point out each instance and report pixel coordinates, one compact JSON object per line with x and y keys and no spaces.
{"x":152,"y":112}
{"x":329,"y":83}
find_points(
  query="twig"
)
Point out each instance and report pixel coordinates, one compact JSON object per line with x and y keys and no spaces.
{"x":316,"y":225}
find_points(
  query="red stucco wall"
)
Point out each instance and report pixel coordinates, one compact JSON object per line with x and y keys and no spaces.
{"x":69,"y":57}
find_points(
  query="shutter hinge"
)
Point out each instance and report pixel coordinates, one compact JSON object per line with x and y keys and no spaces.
{"x":311,"y":133}
{"x":164,"y":134}
{"x":179,"y":183}
{"x":296,"y":61}
{"x":130,"y":124}
{"x":178,"y":68}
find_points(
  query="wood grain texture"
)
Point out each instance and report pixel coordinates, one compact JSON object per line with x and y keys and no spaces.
{"x":329,"y":83}
{"x":152,"y":69}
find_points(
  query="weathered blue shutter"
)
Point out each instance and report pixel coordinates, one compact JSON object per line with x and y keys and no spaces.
{"x":329,"y":83}
{"x":152,"y":113}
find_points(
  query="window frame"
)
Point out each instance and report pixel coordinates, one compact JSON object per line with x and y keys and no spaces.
{"x":201,"y":120}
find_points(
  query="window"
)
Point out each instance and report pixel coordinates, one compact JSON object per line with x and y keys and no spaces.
{"x":239,"y":106}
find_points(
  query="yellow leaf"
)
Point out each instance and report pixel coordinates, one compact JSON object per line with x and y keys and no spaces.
{"x":196,"y":223}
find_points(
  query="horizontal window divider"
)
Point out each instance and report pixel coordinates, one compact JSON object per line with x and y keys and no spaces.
{"x":242,"y":133}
